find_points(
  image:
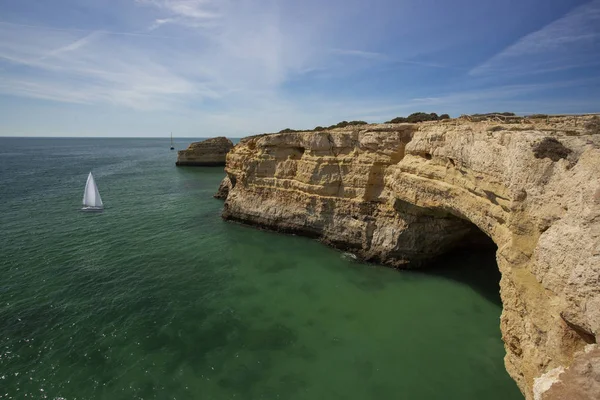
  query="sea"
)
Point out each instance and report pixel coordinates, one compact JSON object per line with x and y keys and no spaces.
{"x":159,"y":298}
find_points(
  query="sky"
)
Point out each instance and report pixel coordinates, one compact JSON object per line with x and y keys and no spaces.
{"x":202,"y":68}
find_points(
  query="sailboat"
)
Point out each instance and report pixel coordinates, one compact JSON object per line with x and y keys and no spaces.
{"x":172,"y":148}
{"x":91,"y":196}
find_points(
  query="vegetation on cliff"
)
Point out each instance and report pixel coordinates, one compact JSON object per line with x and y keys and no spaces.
{"x":493,"y":114}
{"x":593,"y":124}
{"x":342,"y":124}
{"x":551,"y":148}
{"x":418,"y":117}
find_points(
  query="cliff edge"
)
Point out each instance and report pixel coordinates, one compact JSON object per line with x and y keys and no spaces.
{"x":400,"y":194}
{"x":207,"y":153}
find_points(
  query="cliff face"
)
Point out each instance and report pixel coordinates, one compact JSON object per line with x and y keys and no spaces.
{"x":207,"y":153}
{"x":401,"y":194}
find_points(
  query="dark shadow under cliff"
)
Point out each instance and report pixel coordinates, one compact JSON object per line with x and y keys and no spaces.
{"x":473,"y":264}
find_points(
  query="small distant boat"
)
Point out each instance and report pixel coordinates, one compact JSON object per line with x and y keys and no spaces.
{"x":172,"y":147}
{"x":91,"y":196}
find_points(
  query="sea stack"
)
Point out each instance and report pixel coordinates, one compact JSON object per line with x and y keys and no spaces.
{"x":402,"y":193}
{"x":207,"y":153}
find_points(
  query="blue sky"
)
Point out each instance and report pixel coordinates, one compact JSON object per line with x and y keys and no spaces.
{"x":237,"y":67}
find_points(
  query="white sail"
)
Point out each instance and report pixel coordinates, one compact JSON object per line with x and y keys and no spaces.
{"x":91,"y":196}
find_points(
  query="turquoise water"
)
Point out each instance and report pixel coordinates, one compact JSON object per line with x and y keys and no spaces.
{"x":158,"y":298}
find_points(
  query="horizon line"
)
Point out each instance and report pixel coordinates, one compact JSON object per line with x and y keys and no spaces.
{"x":119,"y":137}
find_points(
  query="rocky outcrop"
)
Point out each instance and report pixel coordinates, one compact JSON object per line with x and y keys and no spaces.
{"x":224,"y":189}
{"x":580,"y":381}
{"x":401,"y":194}
{"x":207,"y":153}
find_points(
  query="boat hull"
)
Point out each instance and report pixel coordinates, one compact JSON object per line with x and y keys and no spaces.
{"x":92,"y":209}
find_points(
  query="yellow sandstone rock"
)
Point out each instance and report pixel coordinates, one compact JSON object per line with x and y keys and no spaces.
{"x":207,"y":153}
{"x":401,"y":194}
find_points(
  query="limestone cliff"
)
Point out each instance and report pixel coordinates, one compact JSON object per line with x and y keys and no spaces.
{"x":207,"y":153}
{"x":577,"y":382}
{"x":223,"y":190}
{"x":400,"y":194}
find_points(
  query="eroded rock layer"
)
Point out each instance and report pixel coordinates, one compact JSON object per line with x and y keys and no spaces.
{"x":207,"y":153}
{"x":580,"y":381}
{"x":401,"y":194}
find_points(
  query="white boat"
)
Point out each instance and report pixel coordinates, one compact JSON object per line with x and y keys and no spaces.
{"x":91,"y":196}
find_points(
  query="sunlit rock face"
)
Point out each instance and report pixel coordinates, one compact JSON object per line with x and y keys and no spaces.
{"x":207,"y":153}
{"x":580,"y":381}
{"x":402,"y":194}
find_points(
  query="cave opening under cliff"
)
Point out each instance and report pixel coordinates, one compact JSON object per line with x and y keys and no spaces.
{"x":443,"y":242}
{"x":471,"y":261}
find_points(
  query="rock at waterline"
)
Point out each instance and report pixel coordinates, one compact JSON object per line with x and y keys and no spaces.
{"x":224,"y":189}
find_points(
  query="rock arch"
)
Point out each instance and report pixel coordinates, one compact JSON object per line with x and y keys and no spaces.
{"x":401,"y":194}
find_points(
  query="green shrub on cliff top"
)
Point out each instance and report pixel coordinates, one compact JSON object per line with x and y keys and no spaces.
{"x":492,"y":114}
{"x":418,"y":117}
{"x":344,"y":124}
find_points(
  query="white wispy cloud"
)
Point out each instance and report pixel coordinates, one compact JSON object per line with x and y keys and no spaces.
{"x":515,"y":91}
{"x":193,"y":9}
{"x":160,"y":22}
{"x":380,"y":57}
{"x":96,"y":68}
{"x":190,"y":13}
{"x":569,"y":42}
{"x":75,"y":30}
{"x":248,"y":51}
{"x":359,"y":53}
{"x":183,"y":53}
{"x":78,"y":43}
{"x":234,"y":66}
